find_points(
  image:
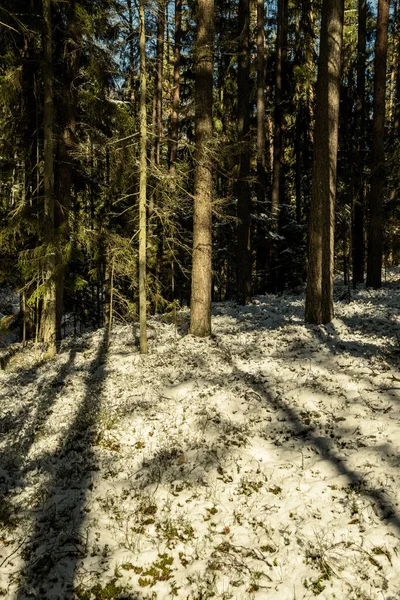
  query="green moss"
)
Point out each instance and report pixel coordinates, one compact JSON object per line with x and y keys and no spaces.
{"x":160,"y":570}
{"x":110,"y":591}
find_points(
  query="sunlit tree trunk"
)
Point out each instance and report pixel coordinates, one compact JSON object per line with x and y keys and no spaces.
{"x":142,"y":184}
{"x":375,"y":199}
{"x":49,"y":314}
{"x":159,"y":80}
{"x":319,"y":296}
{"x":394,"y":64}
{"x":200,"y":313}
{"x":243,"y":188}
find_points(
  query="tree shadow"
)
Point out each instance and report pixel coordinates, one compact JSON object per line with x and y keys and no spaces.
{"x":56,"y":541}
{"x":305,"y":435}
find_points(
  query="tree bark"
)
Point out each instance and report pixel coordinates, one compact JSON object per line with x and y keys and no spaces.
{"x":67,"y":121}
{"x":131,"y":53}
{"x":176,"y":91}
{"x":260,"y":104}
{"x":278,"y":113}
{"x":375,"y":199}
{"x":200,"y":314}
{"x":159,"y":81}
{"x":243,"y":188}
{"x":396,"y":59}
{"x":142,"y":184}
{"x":319,"y":296}
{"x":358,"y":247}
{"x":49,"y":313}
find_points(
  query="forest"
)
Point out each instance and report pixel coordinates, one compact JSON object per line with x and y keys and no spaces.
{"x":199,"y":299}
{"x":167,"y":154}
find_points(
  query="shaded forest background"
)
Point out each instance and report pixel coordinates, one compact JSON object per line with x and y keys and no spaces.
{"x":72,"y":127}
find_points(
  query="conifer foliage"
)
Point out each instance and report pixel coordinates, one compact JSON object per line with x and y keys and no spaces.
{"x":169,"y":153}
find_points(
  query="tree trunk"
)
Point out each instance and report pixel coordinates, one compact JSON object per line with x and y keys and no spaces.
{"x":358,"y":249}
{"x":299,"y":121}
{"x":393,"y":62}
{"x":49,"y":314}
{"x":243,"y":188}
{"x":67,"y":120}
{"x":260,"y":104}
{"x":396,"y":59}
{"x":200,"y":314}
{"x":159,"y":80}
{"x":375,"y":202}
{"x":176,"y":93}
{"x":278,"y":113}
{"x":319,"y":296}
{"x":142,"y":185}
{"x":131,"y":53}
{"x":278,"y":152}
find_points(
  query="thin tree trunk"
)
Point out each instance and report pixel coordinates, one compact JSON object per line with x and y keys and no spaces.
{"x":142,"y":185}
{"x":65,"y":147}
{"x":159,"y":80}
{"x":260,"y":244}
{"x":278,"y":145}
{"x":176,"y":92}
{"x":260,"y":103}
{"x":319,"y":296}
{"x":243,"y":259}
{"x":278,"y":113}
{"x":394,"y":62}
{"x":375,"y":203}
{"x":358,"y":249}
{"x":298,"y":123}
{"x":131,"y":53}
{"x":50,"y":295}
{"x":200,"y":313}
{"x":396,"y":99}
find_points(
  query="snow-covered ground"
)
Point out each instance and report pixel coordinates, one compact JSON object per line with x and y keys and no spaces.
{"x":260,"y":463}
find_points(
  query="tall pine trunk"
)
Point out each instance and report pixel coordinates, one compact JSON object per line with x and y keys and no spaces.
{"x":278,"y":112}
{"x":49,"y":314}
{"x":142,"y":184}
{"x":278,"y":145}
{"x":358,"y":249}
{"x":260,"y":105}
{"x":375,"y":202}
{"x":159,"y":80}
{"x":243,"y":259}
{"x":200,"y":313}
{"x":319,"y":296}
{"x":67,"y":120}
{"x":173,"y":153}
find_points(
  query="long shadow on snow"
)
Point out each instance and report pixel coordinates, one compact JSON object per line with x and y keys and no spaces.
{"x":28,"y":422}
{"x":52,"y":553}
{"x":337,"y":346}
{"x":323,"y":446}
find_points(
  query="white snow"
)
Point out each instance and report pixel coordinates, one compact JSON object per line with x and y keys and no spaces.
{"x":262,"y":462}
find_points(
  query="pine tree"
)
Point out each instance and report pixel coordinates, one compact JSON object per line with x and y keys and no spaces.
{"x":200,"y":313}
{"x":375,"y":198}
{"x":319,"y":297}
{"x":142,"y":184}
{"x":243,"y":188}
{"x":360,"y":122}
{"x":49,"y":314}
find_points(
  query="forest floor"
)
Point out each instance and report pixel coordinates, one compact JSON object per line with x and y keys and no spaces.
{"x":260,"y":463}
